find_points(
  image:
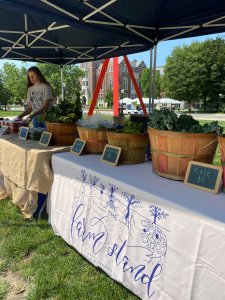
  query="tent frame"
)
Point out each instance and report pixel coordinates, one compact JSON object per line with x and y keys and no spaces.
{"x":31,"y":37}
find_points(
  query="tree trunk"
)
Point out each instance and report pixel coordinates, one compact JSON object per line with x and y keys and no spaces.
{"x":5,"y":106}
{"x":189,"y":106}
{"x":204,"y":103}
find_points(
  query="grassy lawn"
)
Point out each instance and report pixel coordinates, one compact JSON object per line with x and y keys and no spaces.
{"x":4,"y":288}
{"x":9,"y":113}
{"x":46,"y":265}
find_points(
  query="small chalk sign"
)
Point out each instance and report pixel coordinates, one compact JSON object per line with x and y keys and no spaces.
{"x":78,"y":146}
{"x":111,"y":155}
{"x":203,"y":176}
{"x":23,"y":133}
{"x":45,"y":138}
{"x":3,"y":130}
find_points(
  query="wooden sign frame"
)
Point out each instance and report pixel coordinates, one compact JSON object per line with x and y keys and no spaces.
{"x":24,"y":129}
{"x":3,"y":129}
{"x":78,"y":140}
{"x":199,"y":187}
{"x":117,"y":158}
{"x":49,"y":138}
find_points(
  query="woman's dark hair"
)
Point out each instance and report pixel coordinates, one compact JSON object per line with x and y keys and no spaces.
{"x":39,"y":74}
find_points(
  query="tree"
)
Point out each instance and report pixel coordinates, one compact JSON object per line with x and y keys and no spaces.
{"x":145,"y":83}
{"x":109,"y":98}
{"x":196,"y":72}
{"x":14,"y":80}
{"x":4,"y":94}
{"x":71,"y":78}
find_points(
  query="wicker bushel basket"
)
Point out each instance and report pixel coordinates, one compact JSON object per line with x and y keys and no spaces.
{"x":221,"y":140}
{"x":96,"y":138}
{"x":63,"y":134}
{"x":133,"y":146}
{"x":171,"y":151}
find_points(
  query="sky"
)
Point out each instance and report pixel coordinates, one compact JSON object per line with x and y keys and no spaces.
{"x":164,"y":49}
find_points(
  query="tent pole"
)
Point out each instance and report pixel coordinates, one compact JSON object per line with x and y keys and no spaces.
{"x":154,"y":75}
{"x":115,"y":86}
{"x":61,"y":67}
{"x":150,"y":80}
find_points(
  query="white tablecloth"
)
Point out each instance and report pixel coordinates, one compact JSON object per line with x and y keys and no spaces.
{"x":159,"y":238}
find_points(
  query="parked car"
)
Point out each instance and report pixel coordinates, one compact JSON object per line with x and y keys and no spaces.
{"x":129,"y":109}
{"x":140,"y":112}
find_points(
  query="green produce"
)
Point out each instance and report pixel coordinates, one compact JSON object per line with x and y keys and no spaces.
{"x":165,"y":119}
{"x":130,"y":127}
{"x":65,"y":111}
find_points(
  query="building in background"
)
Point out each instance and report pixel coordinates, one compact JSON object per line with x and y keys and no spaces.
{"x":88,"y":83}
{"x":93,"y":70}
{"x":161,"y":70}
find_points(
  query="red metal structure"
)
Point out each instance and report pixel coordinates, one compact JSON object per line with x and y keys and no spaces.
{"x":115,"y":86}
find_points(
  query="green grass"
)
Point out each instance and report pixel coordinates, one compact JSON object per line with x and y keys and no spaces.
{"x":11,"y":113}
{"x":53,"y":269}
{"x":4,"y":288}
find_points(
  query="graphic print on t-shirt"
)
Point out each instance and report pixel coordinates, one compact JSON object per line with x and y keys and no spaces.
{"x":36,"y":95}
{"x":36,"y":99}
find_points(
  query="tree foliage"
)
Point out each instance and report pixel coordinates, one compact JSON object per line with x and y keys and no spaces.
{"x":71,"y":79}
{"x":145,"y":83}
{"x":109,"y":98}
{"x":196,"y":72}
{"x":4,"y":94}
{"x":13,"y":81}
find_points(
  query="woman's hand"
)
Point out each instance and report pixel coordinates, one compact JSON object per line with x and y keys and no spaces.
{"x":28,"y":119}
{"x":17,"y":119}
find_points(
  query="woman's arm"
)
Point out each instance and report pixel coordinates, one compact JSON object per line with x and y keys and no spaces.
{"x":26,"y":112}
{"x":45,"y":106}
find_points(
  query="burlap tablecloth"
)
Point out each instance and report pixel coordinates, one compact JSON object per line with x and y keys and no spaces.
{"x":25,"y":171}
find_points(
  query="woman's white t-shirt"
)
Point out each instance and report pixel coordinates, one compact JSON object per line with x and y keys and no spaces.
{"x":36,"y":94}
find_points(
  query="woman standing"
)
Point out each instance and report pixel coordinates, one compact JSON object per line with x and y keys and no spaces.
{"x":39,"y":97}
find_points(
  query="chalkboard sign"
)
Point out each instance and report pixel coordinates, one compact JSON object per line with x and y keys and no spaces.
{"x":203,"y":176}
{"x":111,"y":155}
{"x":23,"y":133}
{"x":45,"y":138}
{"x":3,"y":130}
{"x":78,"y":146}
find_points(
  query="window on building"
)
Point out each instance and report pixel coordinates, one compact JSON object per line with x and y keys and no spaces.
{"x":125,"y":83}
{"x":101,"y":97}
{"x":136,"y":76}
{"x":110,"y":83}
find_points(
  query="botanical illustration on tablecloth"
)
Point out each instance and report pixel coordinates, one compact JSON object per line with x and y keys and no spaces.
{"x":138,"y":249}
{"x":153,"y":236}
{"x":132,"y":202}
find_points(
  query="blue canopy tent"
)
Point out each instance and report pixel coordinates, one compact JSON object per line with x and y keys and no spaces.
{"x":67,"y":32}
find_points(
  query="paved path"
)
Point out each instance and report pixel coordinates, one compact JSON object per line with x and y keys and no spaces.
{"x":211,"y":117}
